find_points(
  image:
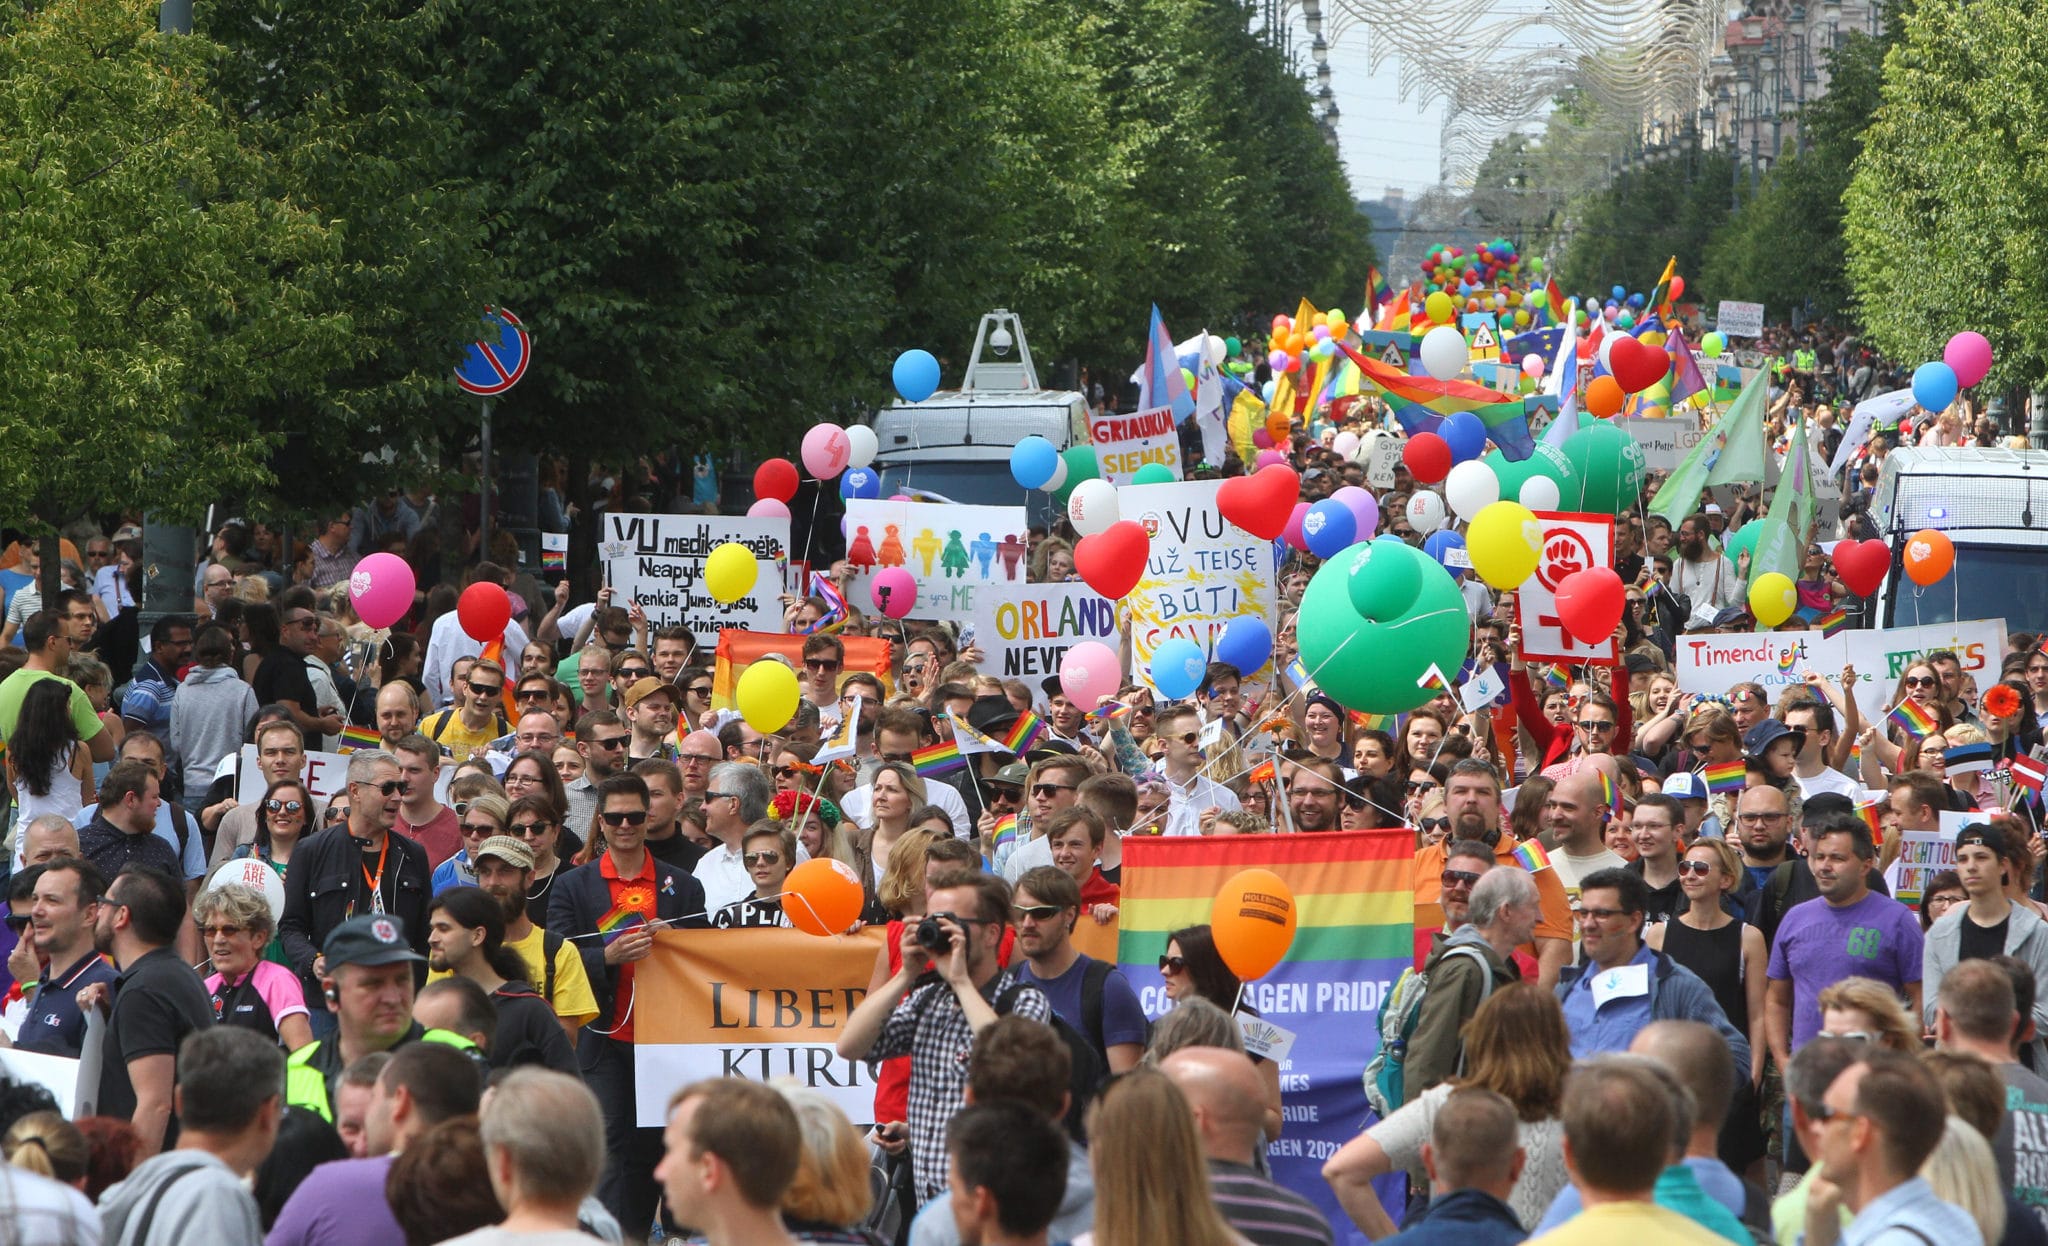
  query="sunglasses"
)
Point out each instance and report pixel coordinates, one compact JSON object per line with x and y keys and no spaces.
{"x":281,"y":806}
{"x":214,"y":932}
{"x":1417,"y":789}
{"x":785,"y":772}
{"x":609,"y":742}
{"x":699,"y":690}
{"x":756,"y":858}
{"x":1010,"y":794}
{"x":477,"y":830}
{"x":1173,"y":964}
{"x":1435,"y":824}
{"x":336,"y":813}
{"x":633,"y":672}
{"x":528,"y":829}
{"x":389,"y":787}
{"x":624,"y":817}
{"x":1049,"y":790}
{"x":1190,"y":737}
{"x":1036,"y":912}
{"x":820,"y":664}
{"x":531,"y":694}
{"x":1457,"y":878}
{"x":1589,"y":724}
{"x":1919,"y":681}
{"x":1702,"y":868}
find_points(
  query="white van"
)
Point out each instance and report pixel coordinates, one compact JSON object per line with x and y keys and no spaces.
{"x":956,"y":444}
{"x":1993,"y":504}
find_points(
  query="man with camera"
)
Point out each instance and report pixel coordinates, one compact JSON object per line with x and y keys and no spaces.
{"x":951,"y":986}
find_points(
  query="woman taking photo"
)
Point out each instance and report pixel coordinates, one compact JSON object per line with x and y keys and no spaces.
{"x":1192,"y":968}
{"x":1515,"y":1046}
{"x":51,"y":774}
{"x":248,"y":991}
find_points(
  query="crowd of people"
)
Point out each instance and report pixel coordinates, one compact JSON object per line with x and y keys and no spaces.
{"x":1651,"y":1007}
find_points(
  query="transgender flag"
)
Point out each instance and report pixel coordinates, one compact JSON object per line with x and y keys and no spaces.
{"x":1160,"y":383}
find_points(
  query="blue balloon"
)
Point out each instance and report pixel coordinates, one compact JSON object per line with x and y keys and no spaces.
{"x":1636,"y":300}
{"x":1178,"y":667}
{"x":1245,"y":644}
{"x":1934,"y":386}
{"x":1620,"y":292}
{"x":1439,"y":546}
{"x":1033,"y":462}
{"x":1329,"y":528}
{"x":860,"y":482}
{"x":1466,"y":434}
{"x":916,"y":375}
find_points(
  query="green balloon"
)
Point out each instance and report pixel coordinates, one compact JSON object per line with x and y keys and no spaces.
{"x":1081,"y":465}
{"x":1232,"y":345}
{"x":1373,"y":667}
{"x":1153,"y":474}
{"x":1609,"y":464}
{"x":1743,"y":538}
{"x":1382,"y":583}
{"x":1548,"y":460}
{"x":1712,"y":345}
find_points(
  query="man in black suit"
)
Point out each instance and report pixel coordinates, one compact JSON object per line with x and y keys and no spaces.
{"x":649,"y":893}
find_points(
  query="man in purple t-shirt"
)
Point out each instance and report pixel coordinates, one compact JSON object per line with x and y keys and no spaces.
{"x":1849,"y":932}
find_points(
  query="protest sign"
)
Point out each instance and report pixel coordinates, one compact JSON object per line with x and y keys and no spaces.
{"x":753,"y":1004}
{"x":949,"y":549}
{"x":1665,"y":441}
{"x":1739,"y":319}
{"x":326,"y":774}
{"x":1025,"y":629}
{"x":1202,"y":572}
{"x":1922,"y":855}
{"x":1125,"y":443}
{"x":1381,"y":454}
{"x":1777,"y":660}
{"x":1571,"y":542}
{"x":1353,"y":895}
{"x":658,"y":561}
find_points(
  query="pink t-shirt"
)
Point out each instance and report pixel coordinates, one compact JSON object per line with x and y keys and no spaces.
{"x":275,"y":985}
{"x":440,"y":835}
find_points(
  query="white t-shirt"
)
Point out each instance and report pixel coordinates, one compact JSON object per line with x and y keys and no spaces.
{"x":1828,"y":780}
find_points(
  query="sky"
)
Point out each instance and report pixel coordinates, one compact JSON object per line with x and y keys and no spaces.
{"x":1383,"y":140}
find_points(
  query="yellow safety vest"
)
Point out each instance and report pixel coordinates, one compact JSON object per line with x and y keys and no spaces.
{"x":306,"y":1086}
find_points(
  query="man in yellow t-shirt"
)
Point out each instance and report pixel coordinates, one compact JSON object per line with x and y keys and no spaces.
{"x":504,"y":869}
{"x":468,"y":727}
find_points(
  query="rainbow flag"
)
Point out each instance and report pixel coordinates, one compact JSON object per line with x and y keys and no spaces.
{"x":1377,"y":292}
{"x":1114,"y":711}
{"x":619,"y":921}
{"x":1421,"y":403}
{"x":1026,"y":734}
{"x":1005,"y":832}
{"x":1872,"y":819}
{"x":1908,"y":717}
{"x":1610,"y":792}
{"x":354,"y":737}
{"x":1530,"y":853}
{"x":1554,"y":305}
{"x":1354,"y":901}
{"x":1728,"y":776}
{"x":1833,"y":622}
{"x":1397,"y":316}
{"x":934,"y":760}
{"x":834,"y":617}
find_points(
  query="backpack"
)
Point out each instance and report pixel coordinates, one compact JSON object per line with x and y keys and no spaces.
{"x":550,"y":944}
{"x":1088,"y":1068}
{"x":1386,"y":1073}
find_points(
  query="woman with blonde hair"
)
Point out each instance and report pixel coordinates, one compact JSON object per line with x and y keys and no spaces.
{"x":1151,"y":1182}
{"x":1432,"y":821}
{"x":1516,"y":1046}
{"x":1052,"y":561}
{"x":830,"y":1194}
{"x":47,"y":1145}
{"x":896,"y":793}
{"x":1864,"y":1008}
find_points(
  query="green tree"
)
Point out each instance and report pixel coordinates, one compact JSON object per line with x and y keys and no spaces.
{"x":1945,"y":223}
{"x":1624,"y":233}
{"x":149,"y":292}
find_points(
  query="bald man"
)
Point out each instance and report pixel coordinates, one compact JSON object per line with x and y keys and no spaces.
{"x":398,"y":713}
{"x":45,"y":838}
{"x":1228,"y":1099}
{"x":1575,"y":816}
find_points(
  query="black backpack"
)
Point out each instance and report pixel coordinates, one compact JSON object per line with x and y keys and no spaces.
{"x":1088,"y":1066}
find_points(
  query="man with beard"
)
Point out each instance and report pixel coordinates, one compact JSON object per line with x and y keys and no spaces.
{"x":1702,"y":574}
{"x":1091,"y":996}
{"x":1314,"y":793}
{"x":1472,"y":798}
{"x":504,"y":871}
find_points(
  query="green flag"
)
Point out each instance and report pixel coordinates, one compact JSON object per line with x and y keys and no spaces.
{"x":1783,"y":536}
{"x":1737,"y":440}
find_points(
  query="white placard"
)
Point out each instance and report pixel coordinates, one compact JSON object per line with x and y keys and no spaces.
{"x":1712,"y":664}
{"x":1740,"y":319}
{"x":1024,"y":630}
{"x":1571,"y":542}
{"x":658,"y":561}
{"x":326,"y":774}
{"x":950,"y":550}
{"x":1381,"y":454}
{"x":1203,"y":571}
{"x":1665,"y":442}
{"x":1264,"y":1039}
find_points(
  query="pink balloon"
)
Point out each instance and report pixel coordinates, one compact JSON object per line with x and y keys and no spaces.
{"x":1271,"y":458}
{"x":1089,"y":672}
{"x":894,"y":592}
{"x":1533,"y":367}
{"x":825,"y":451}
{"x":381,"y":588}
{"x":1364,"y":507}
{"x":1293,"y":530}
{"x":767,"y":508}
{"x":1261,"y":438}
{"x":901,"y":497}
{"x":1344,"y":444}
{"x":1968,"y":355}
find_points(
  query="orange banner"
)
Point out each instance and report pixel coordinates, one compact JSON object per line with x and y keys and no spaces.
{"x":738,"y":649}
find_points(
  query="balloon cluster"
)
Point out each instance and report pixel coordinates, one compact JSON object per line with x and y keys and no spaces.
{"x":1490,"y":277}
{"x":1965,"y":361}
{"x":1622,"y":309}
{"x":1309,"y":340}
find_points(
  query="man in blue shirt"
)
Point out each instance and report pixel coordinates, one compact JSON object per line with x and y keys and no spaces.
{"x":147,"y":707}
{"x":61,"y":913}
{"x":1090,"y":995}
{"x":1881,"y":1119}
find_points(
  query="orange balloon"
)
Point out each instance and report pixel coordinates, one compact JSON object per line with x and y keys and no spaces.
{"x":1604,"y":397}
{"x":1929,"y":556}
{"x":1252,"y":922}
{"x":824,"y":897}
{"x":1279,"y":427}
{"x":1296,"y":343}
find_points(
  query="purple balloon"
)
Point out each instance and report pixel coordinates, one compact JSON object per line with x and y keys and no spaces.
{"x":1365,"y":508}
{"x":1293,"y":532}
{"x":1269,"y":457}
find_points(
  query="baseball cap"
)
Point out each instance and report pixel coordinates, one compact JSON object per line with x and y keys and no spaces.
{"x":1763,"y":735}
{"x":1013,"y":774}
{"x":1731,"y":616}
{"x":1051,"y":687}
{"x":1984,"y":835}
{"x":647,"y":686}
{"x":372,"y":939}
{"x":1639,"y":664}
{"x":1711,"y":508}
{"x":1684,"y":785}
{"x":510,"y":849}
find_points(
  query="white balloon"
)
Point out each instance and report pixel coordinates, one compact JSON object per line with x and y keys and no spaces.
{"x":1444,"y":353}
{"x":861,"y":446}
{"x":1219,"y":350}
{"x":1092,"y":506}
{"x":1471,"y":487}
{"x":1345,"y":444}
{"x":1425,"y":511}
{"x":1539,"y":493}
{"x":1059,"y":477}
{"x":1606,"y":344}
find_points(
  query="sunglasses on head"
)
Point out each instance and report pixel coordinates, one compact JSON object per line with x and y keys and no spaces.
{"x":624,"y":817}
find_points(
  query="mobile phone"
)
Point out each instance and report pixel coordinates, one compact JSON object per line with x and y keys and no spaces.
{"x":967,"y":635}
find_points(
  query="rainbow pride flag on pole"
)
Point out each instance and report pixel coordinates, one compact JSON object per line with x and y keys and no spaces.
{"x":1354,"y":894}
{"x":1421,"y":404}
{"x":936,"y":759}
{"x":354,"y":737}
{"x":619,"y":921}
{"x":1728,"y":776}
{"x":1908,"y":717}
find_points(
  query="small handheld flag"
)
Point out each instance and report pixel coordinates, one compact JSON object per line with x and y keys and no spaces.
{"x":1530,"y":853}
{"x":1969,"y":758}
{"x":1727,"y":776}
{"x":2029,"y":773}
{"x":1026,"y":734}
{"x":1005,"y":831}
{"x":619,"y":921}
{"x":1908,"y":717}
{"x":354,"y":737}
{"x":934,"y":760}
{"x":1874,"y":820}
{"x":1833,"y":622}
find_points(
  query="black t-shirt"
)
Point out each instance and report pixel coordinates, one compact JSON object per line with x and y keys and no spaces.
{"x":1666,"y":901}
{"x":1982,"y":942}
{"x":158,"y":1000}
{"x":281,"y":676}
{"x":529,"y":1032}
{"x":678,"y":851}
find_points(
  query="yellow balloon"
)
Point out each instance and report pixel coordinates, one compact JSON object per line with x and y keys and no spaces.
{"x":730,"y":572}
{"x":1505,"y":542}
{"x":767,"y":695}
{"x":1773,"y":598}
{"x":1335,"y":319}
{"x":1439,"y":307}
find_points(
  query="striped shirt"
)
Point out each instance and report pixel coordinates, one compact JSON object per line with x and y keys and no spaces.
{"x":1263,"y":1212}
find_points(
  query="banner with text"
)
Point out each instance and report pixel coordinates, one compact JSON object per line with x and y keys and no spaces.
{"x":753,"y":1004}
{"x":1777,"y":660}
{"x":1666,"y":440}
{"x":1202,"y":572}
{"x":1354,"y":900}
{"x":950,"y":550}
{"x":658,"y":561}
{"x":1125,"y":443}
{"x":1739,"y":319}
{"x":1025,"y":629}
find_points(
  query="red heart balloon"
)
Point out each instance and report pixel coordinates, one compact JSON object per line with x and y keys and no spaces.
{"x":1590,"y":602}
{"x":1635,"y":366}
{"x":1113,"y":560}
{"x":1861,"y":565}
{"x":1259,"y":503}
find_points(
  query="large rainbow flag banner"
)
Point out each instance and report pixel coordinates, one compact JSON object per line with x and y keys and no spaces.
{"x":1421,"y":404}
{"x":1355,"y":899}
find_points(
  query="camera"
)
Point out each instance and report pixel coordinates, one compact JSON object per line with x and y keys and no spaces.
{"x":933,"y":937}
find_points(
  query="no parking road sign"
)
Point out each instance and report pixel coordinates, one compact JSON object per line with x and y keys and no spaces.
{"x":494,"y":365}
